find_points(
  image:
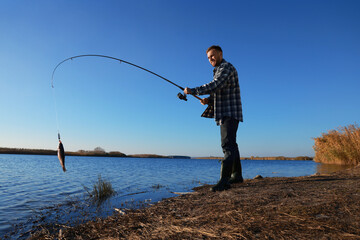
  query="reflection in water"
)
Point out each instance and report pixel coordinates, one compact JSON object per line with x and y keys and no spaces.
{"x":330,"y":168}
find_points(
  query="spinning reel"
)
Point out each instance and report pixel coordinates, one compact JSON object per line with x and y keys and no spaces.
{"x":182,"y":96}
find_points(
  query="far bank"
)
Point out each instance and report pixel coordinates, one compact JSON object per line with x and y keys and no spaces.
{"x":94,"y":153}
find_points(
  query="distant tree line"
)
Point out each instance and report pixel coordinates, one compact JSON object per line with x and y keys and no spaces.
{"x":264,"y":158}
{"x":97,"y":152}
{"x":27,"y":151}
{"x":100,"y":152}
{"x":279,"y":158}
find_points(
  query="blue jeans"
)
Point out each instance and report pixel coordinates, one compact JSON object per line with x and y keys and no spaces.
{"x":228,"y":130}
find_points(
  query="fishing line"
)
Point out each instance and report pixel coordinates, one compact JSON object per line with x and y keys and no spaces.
{"x":56,"y":112}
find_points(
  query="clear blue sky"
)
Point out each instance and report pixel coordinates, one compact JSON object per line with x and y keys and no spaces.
{"x":298,"y":64}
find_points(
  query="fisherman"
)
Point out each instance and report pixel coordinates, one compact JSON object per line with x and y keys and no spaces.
{"x":224,"y":104}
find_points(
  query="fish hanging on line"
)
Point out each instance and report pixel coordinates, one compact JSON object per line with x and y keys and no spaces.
{"x":61,"y":155}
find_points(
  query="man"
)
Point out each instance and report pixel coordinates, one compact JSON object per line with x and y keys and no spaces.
{"x":225,"y":106}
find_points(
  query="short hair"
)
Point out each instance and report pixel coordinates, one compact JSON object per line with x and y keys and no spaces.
{"x":216,"y":47}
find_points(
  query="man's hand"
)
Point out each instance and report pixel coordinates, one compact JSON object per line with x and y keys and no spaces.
{"x":187,"y":91}
{"x":204,"y":101}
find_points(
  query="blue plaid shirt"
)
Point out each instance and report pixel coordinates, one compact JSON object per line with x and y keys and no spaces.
{"x":224,"y":90}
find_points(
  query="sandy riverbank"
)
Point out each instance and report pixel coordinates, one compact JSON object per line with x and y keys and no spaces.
{"x":314,"y":207}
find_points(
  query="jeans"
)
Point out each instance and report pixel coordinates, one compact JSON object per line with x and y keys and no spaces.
{"x":228,"y":130}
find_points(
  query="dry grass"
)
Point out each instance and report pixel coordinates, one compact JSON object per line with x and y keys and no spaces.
{"x":340,"y":146}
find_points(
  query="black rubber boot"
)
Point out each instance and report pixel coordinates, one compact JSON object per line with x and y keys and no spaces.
{"x":225,"y":173}
{"x":236,"y":175}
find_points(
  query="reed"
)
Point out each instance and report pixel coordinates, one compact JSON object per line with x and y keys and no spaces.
{"x":341,"y":146}
{"x":101,"y":191}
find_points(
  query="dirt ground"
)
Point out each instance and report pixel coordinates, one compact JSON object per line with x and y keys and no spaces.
{"x":314,"y":207}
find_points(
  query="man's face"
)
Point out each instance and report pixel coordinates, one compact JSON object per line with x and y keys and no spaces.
{"x":215,"y":57}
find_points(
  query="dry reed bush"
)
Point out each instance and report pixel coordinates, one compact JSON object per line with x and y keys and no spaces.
{"x":340,"y":146}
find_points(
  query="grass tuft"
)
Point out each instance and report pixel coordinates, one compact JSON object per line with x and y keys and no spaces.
{"x":341,"y":146}
{"x":157,"y":186}
{"x":101,"y":191}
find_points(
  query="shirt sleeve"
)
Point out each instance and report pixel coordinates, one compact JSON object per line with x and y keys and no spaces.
{"x":220,"y":77}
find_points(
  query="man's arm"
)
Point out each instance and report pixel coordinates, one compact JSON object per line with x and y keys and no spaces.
{"x":203,"y":101}
{"x":220,"y":78}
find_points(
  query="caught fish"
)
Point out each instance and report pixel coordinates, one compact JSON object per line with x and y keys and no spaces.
{"x":61,"y":155}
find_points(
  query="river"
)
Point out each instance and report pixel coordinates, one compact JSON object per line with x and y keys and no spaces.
{"x":34,"y":189}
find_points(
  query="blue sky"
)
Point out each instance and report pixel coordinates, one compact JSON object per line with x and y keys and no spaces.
{"x":298,"y":64}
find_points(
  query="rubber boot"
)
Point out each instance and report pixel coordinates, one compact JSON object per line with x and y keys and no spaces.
{"x":236,"y":174}
{"x":225,"y":174}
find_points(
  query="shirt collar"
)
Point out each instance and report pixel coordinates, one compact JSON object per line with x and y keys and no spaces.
{"x":215,"y":68}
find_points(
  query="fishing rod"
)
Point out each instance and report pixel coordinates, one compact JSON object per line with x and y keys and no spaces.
{"x":61,"y":152}
{"x":179,"y":95}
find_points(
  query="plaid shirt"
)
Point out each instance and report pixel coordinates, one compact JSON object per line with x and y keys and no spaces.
{"x":224,"y":90}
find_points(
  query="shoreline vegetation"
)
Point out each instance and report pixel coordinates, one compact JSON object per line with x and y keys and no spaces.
{"x":340,"y":146}
{"x":99,"y":152}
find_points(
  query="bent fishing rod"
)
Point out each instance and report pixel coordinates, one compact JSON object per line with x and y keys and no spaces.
{"x":61,"y":153}
{"x":180,"y":95}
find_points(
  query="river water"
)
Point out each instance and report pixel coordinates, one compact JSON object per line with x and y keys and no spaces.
{"x":31,"y":185}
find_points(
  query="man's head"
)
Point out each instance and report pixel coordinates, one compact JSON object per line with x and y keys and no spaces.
{"x":214,"y":54}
